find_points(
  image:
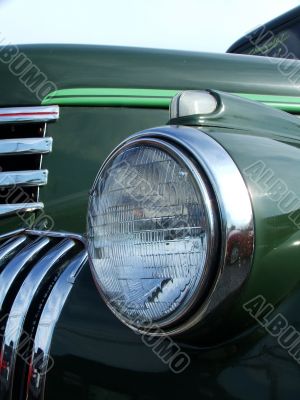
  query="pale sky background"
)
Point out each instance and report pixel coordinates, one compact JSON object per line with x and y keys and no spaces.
{"x":200,"y":25}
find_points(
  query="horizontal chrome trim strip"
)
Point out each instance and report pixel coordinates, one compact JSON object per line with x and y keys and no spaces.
{"x":23,"y":178}
{"x":39,"y":364}
{"x":29,"y":114}
{"x":14,"y":326}
{"x":25,"y":146}
{"x":9,"y":209}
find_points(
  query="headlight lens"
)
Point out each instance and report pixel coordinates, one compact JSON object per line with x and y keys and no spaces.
{"x":151,"y":231}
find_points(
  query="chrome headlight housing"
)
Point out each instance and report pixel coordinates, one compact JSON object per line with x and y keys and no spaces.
{"x":169,"y":219}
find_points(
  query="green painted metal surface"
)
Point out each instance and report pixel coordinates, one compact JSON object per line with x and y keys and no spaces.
{"x":82,"y":139}
{"x":82,"y":66}
{"x":243,"y":131}
{"x":285,"y":103}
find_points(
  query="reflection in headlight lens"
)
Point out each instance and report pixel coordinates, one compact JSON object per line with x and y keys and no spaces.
{"x":149,"y":235}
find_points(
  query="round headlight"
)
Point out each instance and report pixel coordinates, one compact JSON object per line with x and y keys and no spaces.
{"x":170,"y":230}
{"x":152,"y":233}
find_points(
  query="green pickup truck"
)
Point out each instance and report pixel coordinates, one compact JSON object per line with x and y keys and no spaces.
{"x":150,"y":220}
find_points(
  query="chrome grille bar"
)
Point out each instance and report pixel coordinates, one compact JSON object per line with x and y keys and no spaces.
{"x":40,"y":358}
{"x":38,"y":270}
{"x":29,"y":114}
{"x":16,"y":266}
{"x":25,"y":146}
{"x":10,"y":209}
{"x":11,"y":339}
{"x":22,"y":146}
{"x":23,"y":178}
{"x":10,"y":247}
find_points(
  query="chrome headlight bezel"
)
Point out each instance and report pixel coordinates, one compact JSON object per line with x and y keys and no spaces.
{"x":215,"y":172}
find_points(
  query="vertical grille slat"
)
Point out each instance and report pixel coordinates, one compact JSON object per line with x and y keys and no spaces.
{"x":22,"y":146}
{"x":36,"y":280}
{"x":10,"y":247}
{"x":40,"y":355}
{"x":15,"y":267}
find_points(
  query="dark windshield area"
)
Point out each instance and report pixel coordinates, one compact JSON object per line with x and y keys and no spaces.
{"x":285,"y":44}
{"x":278,"y":38}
